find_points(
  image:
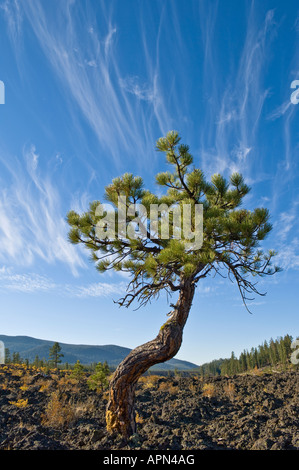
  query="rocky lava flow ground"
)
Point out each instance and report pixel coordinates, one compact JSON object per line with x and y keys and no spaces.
{"x":56,"y":411}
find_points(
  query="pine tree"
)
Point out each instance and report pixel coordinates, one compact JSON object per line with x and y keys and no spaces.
{"x":264,"y":354}
{"x":225,"y":367}
{"x":99,"y":379}
{"x":7,"y":356}
{"x":36,"y":362}
{"x":78,"y":371}
{"x":163,"y":257}
{"x":16,"y":358}
{"x":55,"y":355}
{"x":287,"y":344}
{"x":284,"y":349}
{"x":233,"y":365}
{"x":273,"y":352}
{"x":243,"y":362}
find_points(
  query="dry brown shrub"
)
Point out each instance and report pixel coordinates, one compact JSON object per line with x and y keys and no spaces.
{"x":59,"y":411}
{"x":67,"y":382}
{"x":27,"y":379}
{"x":208,"y":390}
{"x":44,"y":385}
{"x":149,"y":381}
{"x":167,"y":387}
{"x":17,"y":372}
{"x":20,"y":403}
{"x":193,"y":388}
{"x":4,"y":385}
{"x":230,"y":390}
{"x":256,"y":371}
{"x":81,"y":408}
{"x":139,"y":419}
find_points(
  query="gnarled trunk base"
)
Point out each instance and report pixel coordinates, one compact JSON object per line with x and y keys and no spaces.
{"x":120,"y":414}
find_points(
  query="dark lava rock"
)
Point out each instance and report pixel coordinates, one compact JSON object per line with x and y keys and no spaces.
{"x":245,"y":412}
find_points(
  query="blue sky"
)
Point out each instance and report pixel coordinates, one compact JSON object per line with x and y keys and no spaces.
{"x":89,"y":88}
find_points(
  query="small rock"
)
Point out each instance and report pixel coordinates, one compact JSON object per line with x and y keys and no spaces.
{"x":262,"y":444}
{"x":97,"y":435}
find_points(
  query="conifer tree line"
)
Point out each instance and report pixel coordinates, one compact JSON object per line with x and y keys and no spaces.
{"x":53,"y":361}
{"x":270,"y":353}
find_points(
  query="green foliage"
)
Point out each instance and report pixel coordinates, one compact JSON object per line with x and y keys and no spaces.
{"x":272,"y":353}
{"x":231,"y":233}
{"x":99,"y":380}
{"x":16,"y":358}
{"x":78,"y":371}
{"x":55,"y":354}
{"x":7,"y":356}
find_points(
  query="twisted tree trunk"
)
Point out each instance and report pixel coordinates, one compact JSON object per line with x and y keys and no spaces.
{"x":120,"y":414}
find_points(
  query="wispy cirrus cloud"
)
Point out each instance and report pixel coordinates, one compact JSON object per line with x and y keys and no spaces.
{"x":141,"y":91}
{"x":97,"y":289}
{"x":32,"y":225}
{"x":235,"y":107}
{"x":92,"y":90}
{"x":280,"y":110}
{"x":287,"y":112}
{"x":26,"y":283}
{"x":286,"y":229}
{"x":83,"y":54}
{"x":288,"y":257}
{"x":12,"y":11}
{"x":123,"y":108}
{"x":30,"y":283}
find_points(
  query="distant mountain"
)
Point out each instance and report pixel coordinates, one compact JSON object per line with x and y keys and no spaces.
{"x":29,"y":348}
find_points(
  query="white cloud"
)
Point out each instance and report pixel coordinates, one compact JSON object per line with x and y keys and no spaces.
{"x":285,"y":224}
{"x":287,"y":238}
{"x":134,"y":86}
{"x":27,"y":283}
{"x":287,"y":221}
{"x":97,"y":290}
{"x":242,"y":152}
{"x":288,"y":255}
{"x":88,"y":70}
{"x":91,"y":63}
{"x":11,"y":9}
{"x":234,"y":104}
{"x":31,"y":283}
{"x":280,"y":111}
{"x":32,"y":224}
{"x":32,"y":159}
{"x":11,"y":243}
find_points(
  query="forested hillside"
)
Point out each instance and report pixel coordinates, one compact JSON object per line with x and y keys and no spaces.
{"x":270,"y":353}
{"x":35,"y":351}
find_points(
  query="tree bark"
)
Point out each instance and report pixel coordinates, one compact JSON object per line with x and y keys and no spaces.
{"x":120,"y":413}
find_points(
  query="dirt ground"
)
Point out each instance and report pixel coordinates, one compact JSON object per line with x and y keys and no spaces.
{"x":56,"y":412}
